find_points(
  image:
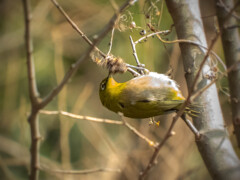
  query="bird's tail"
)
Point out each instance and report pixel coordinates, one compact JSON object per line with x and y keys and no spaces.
{"x":191,"y":110}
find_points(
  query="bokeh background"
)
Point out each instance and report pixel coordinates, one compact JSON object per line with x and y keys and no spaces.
{"x":79,"y":144}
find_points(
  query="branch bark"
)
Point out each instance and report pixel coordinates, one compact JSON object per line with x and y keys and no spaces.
{"x":33,"y":94}
{"x":214,"y":145}
{"x":231,"y":45}
{"x":36,"y":102}
{"x":74,"y":67}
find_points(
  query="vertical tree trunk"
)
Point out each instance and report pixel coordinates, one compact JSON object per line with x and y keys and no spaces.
{"x":214,"y":145}
{"x":231,"y":45}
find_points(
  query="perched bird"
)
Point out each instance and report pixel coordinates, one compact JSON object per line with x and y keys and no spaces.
{"x":141,"y":97}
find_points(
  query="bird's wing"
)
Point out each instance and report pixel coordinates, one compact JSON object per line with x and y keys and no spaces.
{"x":151,"y":88}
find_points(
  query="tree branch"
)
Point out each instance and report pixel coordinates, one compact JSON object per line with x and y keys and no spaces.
{"x":231,"y":44}
{"x":153,"y":158}
{"x":76,"y":65}
{"x":78,"y":172}
{"x":75,"y":27}
{"x":79,"y":117}
{"x":135,"y":55}
{"x":214,"y":144}
{"x":100,"y":120}
{"x":228,"y":8}
{"x":36,"y":104}
{"x":33,"y":94}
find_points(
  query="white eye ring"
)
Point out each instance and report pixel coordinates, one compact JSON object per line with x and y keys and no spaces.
{"x":103,"y":86}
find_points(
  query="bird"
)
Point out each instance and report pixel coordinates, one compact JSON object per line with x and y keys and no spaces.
{"x":141,"y":97}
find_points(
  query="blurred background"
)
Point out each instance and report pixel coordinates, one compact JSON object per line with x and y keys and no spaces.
{"x":70,"y":144}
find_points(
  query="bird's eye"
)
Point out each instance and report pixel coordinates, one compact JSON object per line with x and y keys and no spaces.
{"x":103,"y":86}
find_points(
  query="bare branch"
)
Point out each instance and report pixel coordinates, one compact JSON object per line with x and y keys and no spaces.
{"x":186,"y":41}
{"x":32,"y":86}
{"x":150,"y":35}
{"x":76,"y":65}
{"x":153,"y":158}
{"x":75,"y":27}
{"x":228,"y":10}
{"x":134,"y":73}
{"x":99,"y":120}
{"x":79,"y":117}
{"x":135,"y":55}
{"x":201,"y":66}
{"x":73,"y":68}
{"x":180,"y":113}
{"x":214,"y":144}
{"x":231,"y":43}
{"x":33,"y":117}
{"x":111,"y":41}
{"x":78,"y":172}
{"x":191,"y":126}
{"x":114,"y":19}
{"x":199,"y":92}
{"x":150,"y":142}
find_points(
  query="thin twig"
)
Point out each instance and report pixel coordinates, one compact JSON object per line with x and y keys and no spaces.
{"x":111,"y":41}
{"x":150,"y":35}
{"x":199,"y":92}
{"x":134,"y":73}
{"x":100,"y":120}
{"x":109,"y":26}
{"x":152,"y":161}
{"x":191,"y":91}
{"x":185,"y":41}
{"x":191,"y":126}
{"x":187,"y":101}
{"x":114,"y":19}
{"x":150,"y":142}
{"x":73,"y":68}
{"x":202,"y":64}
{"x":209,"y":51}
{"x":135,"y":55}
{"x":75,"y":27}
{"x":160,"y":18}
{"x":79,"y":117}
{"x":78,"y":172}
{"x":135,"y":67}
{"x":232,"y":27}
{"x":37,"y":104}
{"x":169,"y":133}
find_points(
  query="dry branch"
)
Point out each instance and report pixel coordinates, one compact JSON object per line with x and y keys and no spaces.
{"x":79,"y":117}
{"x":33,"y":94}
{"x":153,"y":158}
{"x":110,"y":26}
{"x":100,"y":120}
{"x":36,"y":103}
{"x":78,"y":172}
